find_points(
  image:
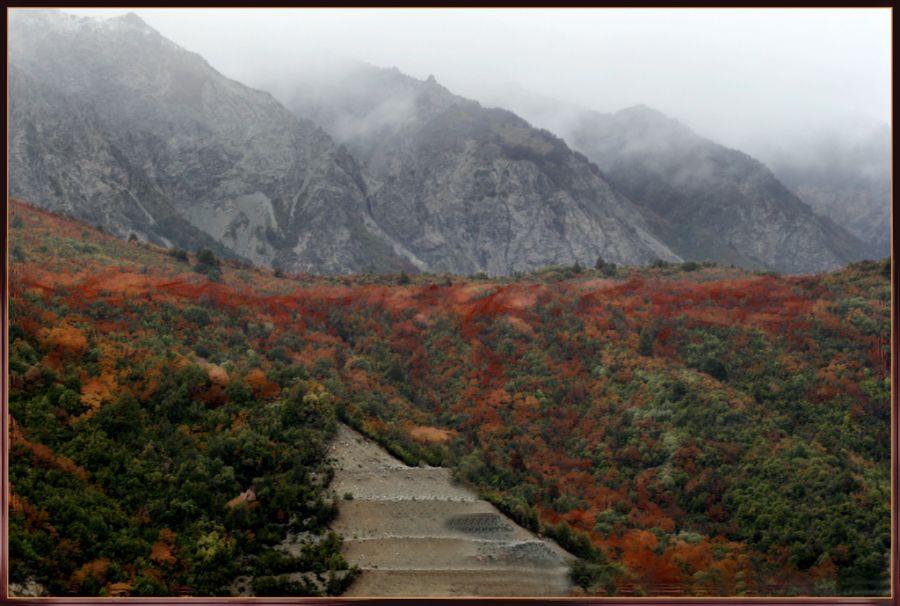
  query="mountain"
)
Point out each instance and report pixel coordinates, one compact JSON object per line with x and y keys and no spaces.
{"x":117,"y":125}
{"x":704,"y":200}
{"x":113,"y":123}
{"x":842,"y":173}
{"x":466,"y":188}
{"x":367,"y":169}
{"x":710,"y":194}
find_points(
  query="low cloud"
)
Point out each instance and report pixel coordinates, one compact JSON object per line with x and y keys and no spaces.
{"x":735,"y":75}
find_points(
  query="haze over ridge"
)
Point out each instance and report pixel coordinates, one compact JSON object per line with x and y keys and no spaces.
{"x":415,"y":137}
{"x":727,"y":73}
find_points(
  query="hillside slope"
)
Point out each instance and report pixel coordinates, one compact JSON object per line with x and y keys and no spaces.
{"x":676,"y":428}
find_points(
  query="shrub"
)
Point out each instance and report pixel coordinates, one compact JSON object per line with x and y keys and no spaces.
{"x":207,"y":264}
{"x":179,"y":254}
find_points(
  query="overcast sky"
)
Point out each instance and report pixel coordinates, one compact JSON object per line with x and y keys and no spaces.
{"x":729,"y":73}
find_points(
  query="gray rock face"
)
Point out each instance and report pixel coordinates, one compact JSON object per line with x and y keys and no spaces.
{"x":705,"y":201}
{"x":845,"y":176}
{"x":115,"y":124}
{"x":465,"y":188}
{"x":709,"y":202}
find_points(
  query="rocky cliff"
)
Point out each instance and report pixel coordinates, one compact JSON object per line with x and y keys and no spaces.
{"x":715,"y":203}
{"x":466,"y":188}
{"x":843,"y":174}
{"x":368,"y":169}
{"x":113,"y":123}
{"x":704,"y":200}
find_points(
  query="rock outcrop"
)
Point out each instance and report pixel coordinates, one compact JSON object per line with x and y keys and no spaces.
{"x":707,"y":202}
{"x":466,"y":188}
{"x":115,"y":124}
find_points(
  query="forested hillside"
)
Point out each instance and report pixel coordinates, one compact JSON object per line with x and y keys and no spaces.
{"x":158,"y":444}
{"x":687,"y":428}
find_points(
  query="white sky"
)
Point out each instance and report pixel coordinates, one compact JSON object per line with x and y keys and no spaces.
{"x":729,"y":73}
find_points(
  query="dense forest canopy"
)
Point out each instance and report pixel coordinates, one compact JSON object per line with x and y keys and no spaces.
{"x":691,"y":429}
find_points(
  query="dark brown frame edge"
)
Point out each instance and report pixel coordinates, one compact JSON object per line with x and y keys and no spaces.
{"x":490,"y":601}
{"x":4,"y":349}
{"x":894,"y":600}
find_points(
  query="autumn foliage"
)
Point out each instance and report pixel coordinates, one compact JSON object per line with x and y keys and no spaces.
{"x":711,"y":432}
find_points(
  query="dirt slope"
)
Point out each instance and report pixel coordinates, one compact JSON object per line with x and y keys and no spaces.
{"x":415,"y":532}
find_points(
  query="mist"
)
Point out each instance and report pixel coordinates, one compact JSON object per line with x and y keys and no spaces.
{"x":735,"y":75}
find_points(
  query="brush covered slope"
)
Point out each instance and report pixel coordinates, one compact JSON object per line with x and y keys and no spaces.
{"x":682,"y":429}
{"x":153,"y":449}
{"x":685,"y":430}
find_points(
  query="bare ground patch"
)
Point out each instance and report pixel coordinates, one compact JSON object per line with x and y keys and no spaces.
{"x":415,"y":532}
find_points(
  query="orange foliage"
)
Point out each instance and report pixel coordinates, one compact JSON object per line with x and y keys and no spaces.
{"x":65,"y":339}
{"x":216,"y":374}
{"x":94,"y":393}
{"x":94,"y":568}
{"x":639,"y":555}
{"x":214,"y":396}
{"x":261,"y":386}
{"x":35,"y":516}
{"x":434,"y":435}
{"x":44,"y":455}
{"x":162,"y":554}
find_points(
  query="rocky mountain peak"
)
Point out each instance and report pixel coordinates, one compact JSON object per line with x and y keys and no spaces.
{"x":141,"y":136}
{"x":130,"y":20}
{"x":710,"y":202}
{"x":645,"y":119}
{"x":643,"y":111}
{"x":467,"y":188}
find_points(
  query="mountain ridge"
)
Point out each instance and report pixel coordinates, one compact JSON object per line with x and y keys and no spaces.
{"x":706,"y":200}
{"x":369,"y":169}
{"x":144,"y":120}
{"x":497,"y":168}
